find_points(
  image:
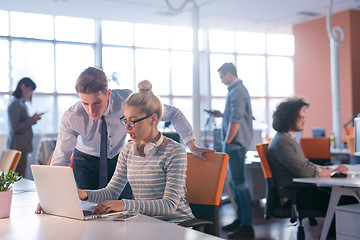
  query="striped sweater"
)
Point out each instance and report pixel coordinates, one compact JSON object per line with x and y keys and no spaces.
{"x":157,"y":182}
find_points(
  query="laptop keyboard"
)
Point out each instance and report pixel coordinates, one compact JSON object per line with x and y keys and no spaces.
{"x":87,"y":213}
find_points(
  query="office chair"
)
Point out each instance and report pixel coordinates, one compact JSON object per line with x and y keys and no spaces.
{"x":350,"y":141}
{"x":173,"y":135}
{"x":10,"y":160}
{"x":273,"y":207}
{"x":317,"y":150}
{"x":204,"y":184}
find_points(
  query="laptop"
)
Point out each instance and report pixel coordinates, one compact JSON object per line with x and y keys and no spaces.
{"x":58,"y":194}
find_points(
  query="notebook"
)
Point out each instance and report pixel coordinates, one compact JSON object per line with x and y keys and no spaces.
{"x":58,"y":194}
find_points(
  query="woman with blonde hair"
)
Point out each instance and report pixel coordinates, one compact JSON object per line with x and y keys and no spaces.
{"x":154,"y":165}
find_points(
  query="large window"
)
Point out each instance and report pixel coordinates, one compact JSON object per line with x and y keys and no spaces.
{"x":265,"y":64}
{"x":74,"y":29}
{"x":4,"y":66}
{"x":35,"y":59}
{"x":53,"y":50}
{"x":50,"y":50}
{"x":28,"y":25}
{"x":119,"y":65}
{"x":161,"y":54}
{"x":70,"y":61}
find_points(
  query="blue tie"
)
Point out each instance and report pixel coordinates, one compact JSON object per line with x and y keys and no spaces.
{"x":103,"y":155}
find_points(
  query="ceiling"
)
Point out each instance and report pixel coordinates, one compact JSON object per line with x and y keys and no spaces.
{"x":274,"y":16}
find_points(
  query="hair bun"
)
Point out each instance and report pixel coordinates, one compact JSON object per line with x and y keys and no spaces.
{"x":145,"y":86}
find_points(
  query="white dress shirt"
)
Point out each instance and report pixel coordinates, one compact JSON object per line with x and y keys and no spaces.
{"x":79,"y":131}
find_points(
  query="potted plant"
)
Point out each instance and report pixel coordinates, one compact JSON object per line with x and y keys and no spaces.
{"x":6,"y":181}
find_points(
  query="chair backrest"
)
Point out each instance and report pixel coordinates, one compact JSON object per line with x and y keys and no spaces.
{"x":10,"y":160}
{"x":51,"y":155}
{"x":271,"y":196}
{"x":350,"y":141}
{"x":349,"y":131}
{"x":205,"y":178}
{"x":204,"y":183}
{"x":316,"y":148}
{"x":262,"y":150}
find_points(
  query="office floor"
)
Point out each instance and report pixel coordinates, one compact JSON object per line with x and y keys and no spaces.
{"x":273,"y":229}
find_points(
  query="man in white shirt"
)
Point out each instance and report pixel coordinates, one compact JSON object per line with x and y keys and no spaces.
{"x":80,"y":128}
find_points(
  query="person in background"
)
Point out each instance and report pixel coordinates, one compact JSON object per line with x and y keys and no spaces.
{"x":81,"y":127}
{"x":287,"y":159}
{"x":20,"y":122}
{"x":238,"y":133}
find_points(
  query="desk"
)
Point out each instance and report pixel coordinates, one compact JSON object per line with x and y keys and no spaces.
{"x":340,"y":187}
{"x":25,"y":224}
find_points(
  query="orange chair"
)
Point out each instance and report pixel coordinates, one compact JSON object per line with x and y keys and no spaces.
{"x":204,"y":184}
{"x":350,"y":141}
{"x":273,"y":207}
{"x":349,"y":131}
{"x":49,"y":162}
{"x":317,"y":150}
{"x":10,"y":160}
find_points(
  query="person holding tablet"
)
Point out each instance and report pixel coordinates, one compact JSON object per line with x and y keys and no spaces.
{"x":20,"y":122}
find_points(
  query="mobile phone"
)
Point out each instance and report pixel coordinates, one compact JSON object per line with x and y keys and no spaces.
{"x":208,"y":111}
{"x":125,"y":217}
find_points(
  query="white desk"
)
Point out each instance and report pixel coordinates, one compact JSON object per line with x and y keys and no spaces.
{"x":340,"y":187}
{"x":25,"y":224}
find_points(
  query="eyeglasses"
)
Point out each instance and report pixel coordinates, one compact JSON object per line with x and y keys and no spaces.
{"x":301,"y":116}
{"x":132,"y":123}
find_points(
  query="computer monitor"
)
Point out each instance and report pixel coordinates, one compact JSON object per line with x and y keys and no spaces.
{"x":357,"y":135}
{"x":318,"y":132}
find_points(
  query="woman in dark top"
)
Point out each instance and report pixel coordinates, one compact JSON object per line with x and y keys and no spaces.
{"x":20,"y":123}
